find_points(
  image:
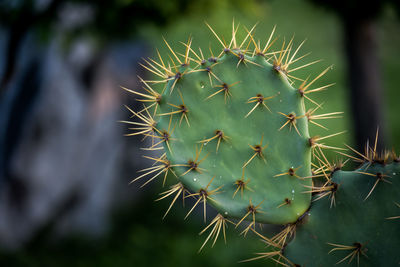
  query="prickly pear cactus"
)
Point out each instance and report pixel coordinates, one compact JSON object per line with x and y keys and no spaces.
{"x":355,"y":219}
{"x":232,"y":131}
{"x":233,"y":128}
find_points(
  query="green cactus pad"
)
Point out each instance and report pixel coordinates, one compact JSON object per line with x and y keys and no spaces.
{"x":362,"y":228}
{"x":234,"y":130}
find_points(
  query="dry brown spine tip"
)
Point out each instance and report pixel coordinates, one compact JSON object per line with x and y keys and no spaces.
{"x":313,"y":141}
{"x":183,"y":109}
{"x":240,"y":183}
{"x":252,"y":209}
{"x":178,"y":75}
{"x":203,"y":192}
{"x":165,"y":135}
{"x":258,"y":149}
{"x":335,"y":187}
{"x":288,"y":201}
{"x":278,"y":68}
{"x":193,"y":165}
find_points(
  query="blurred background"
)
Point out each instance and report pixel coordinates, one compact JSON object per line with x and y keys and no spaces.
{"x":65,"y":165}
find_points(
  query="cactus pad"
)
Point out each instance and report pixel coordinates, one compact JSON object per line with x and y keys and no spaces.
{"x":361,"y":228}
{"x":233,"y":127}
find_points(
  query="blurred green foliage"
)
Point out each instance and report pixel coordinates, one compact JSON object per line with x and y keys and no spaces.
{"x":107,"y":20}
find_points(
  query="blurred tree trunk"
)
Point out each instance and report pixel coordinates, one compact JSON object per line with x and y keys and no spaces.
{"x":361,"y":44}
